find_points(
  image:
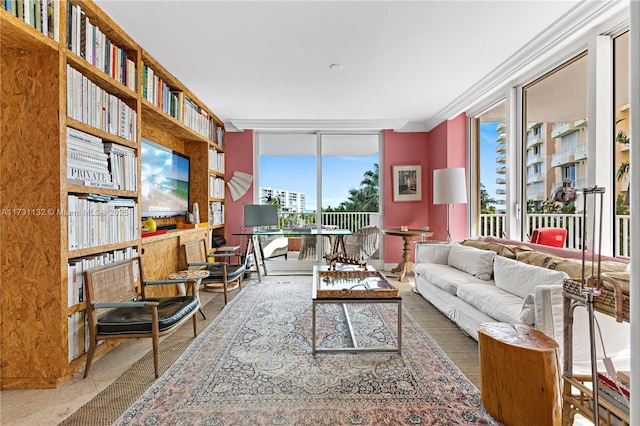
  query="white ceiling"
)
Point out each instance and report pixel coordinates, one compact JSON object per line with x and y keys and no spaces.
{"x":265,"y":64}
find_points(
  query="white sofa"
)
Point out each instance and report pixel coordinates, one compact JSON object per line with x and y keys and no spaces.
{"x":472,"y":286}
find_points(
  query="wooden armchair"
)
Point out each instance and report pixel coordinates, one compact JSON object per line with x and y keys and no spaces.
{"x":221,"y":274}
{"x":115,"y":310}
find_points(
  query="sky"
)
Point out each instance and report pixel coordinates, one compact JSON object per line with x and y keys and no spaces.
{"x":299,"y":174}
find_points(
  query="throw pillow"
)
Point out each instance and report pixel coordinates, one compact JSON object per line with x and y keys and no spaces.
{"x":500,"y":249}
{"x":521,"y":279}
{"x":573,"y":267}
{"x":476,"y":262}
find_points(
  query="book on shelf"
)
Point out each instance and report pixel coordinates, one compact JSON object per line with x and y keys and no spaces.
{"x":87,"y":41}
{"x":77,"y":326}
{"x":77,"y":266}
{"x":88,"y":175}
{"x":98,"y":219}
{"x":85,"y":98}
{"x":93,"y":184}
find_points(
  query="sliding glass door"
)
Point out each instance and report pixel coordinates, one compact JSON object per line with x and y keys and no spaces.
{"x":318,"y":180}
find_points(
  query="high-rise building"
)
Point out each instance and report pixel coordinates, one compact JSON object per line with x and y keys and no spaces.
{"x":290,"y":201}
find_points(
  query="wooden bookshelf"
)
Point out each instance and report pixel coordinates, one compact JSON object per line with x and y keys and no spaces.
{"x":34,"y":202}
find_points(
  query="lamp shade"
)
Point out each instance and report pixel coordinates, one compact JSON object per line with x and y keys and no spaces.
{"x":449,"y":186}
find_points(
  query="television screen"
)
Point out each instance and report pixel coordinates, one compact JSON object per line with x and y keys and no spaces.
{"x":165,"y":181}
{"x":260,"y":215}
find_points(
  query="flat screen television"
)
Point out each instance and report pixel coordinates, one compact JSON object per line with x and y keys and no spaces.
{"x":165,"y":181}
{"x":260,"y":215}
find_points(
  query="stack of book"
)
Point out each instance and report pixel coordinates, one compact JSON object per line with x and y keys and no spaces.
{"x":156,"y":91}
{"x":216,"y":187}
{"x":123,"y":165}
{"x":91,"y":104}
{"x":196,"y":118}
{"x":615,"y":390}
{"x":87,"y":163}
{"x":96,"y":220}
{"x":216,"y":160}
{"x":86,"y":40}
{"x":216,"y":213}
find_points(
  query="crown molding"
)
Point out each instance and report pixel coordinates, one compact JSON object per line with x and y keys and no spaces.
{"x":561,"y":33}
{"x":315,"y":125}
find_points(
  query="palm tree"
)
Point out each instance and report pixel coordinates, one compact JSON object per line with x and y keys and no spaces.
{"x":365,"y":198}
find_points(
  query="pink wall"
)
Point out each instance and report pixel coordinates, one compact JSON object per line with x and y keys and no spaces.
{"x":403,"y":149}
{"x":239,"y":156}
{"x":448,"y":148}
{"x":444,"y":146}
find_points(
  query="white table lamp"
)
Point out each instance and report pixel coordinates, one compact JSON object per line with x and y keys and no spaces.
{"x":449,"y":187}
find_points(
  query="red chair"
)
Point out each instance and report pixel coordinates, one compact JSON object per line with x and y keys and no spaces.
{"x":554,"y":237}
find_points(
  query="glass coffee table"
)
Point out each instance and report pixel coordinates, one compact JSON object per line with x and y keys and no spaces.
{"x":350,"y":284}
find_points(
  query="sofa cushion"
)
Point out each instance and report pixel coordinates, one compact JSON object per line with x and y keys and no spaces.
{"x":472,"y":260}
{"x":432,"y":252}
{"x":493,"y":301}
{"x":520,"y":278}
{"x":499,"y":249}
{"x":446,"y":277}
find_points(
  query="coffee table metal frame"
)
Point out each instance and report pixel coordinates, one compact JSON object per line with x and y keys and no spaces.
{"x":315,"y":301}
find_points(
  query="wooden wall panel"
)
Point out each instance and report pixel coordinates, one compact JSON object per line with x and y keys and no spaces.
{"x":163,"y":255}
{"x":34,"y":345}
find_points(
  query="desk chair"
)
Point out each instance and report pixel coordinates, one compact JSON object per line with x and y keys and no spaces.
{"x":225,"y":275}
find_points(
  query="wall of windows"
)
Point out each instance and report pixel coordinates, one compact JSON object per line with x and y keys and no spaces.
{"x":565,"y":140}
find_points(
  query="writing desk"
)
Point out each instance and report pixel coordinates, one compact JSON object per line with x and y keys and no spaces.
{"x":254,"y":247}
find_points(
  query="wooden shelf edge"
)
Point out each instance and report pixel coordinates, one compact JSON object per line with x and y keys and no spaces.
{"x":101,"y":249}
{"x":99,"y":77}
{"x":82,"y":189}
{"x":170,"y":124}
{"x":16,"y":30}
{"x":104,"y":135}
{"x":172,"y":233}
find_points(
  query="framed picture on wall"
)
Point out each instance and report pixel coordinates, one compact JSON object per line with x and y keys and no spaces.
{"x":407,"y":183}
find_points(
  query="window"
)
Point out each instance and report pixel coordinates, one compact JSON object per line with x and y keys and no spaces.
{"x":555,"y":115}
{"x":491,"y":176}
{"x":621,"y":144}
{"x":319,"y":179}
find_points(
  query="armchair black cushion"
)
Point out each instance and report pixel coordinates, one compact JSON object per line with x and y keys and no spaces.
{"x":171,"y":310}
{"x":217,"y":272}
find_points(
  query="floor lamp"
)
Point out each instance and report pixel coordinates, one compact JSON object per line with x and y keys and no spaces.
{"x":449,"y":187}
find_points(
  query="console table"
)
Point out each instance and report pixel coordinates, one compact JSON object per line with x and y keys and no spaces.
{"x":406,"y":265}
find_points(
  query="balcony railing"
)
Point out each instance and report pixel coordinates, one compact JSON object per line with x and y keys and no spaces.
{"x":343,"y":220}
{"x":495,"y":225}
{"x":490,"y":225}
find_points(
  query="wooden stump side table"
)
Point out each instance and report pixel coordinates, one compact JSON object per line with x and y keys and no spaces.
{"x":406,"y":265}
{"x":519,"y":375}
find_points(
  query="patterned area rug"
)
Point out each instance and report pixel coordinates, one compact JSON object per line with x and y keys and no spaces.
{"x":253,"y":365}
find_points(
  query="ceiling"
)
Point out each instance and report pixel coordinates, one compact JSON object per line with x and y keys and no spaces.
{"x":266,"y":64}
